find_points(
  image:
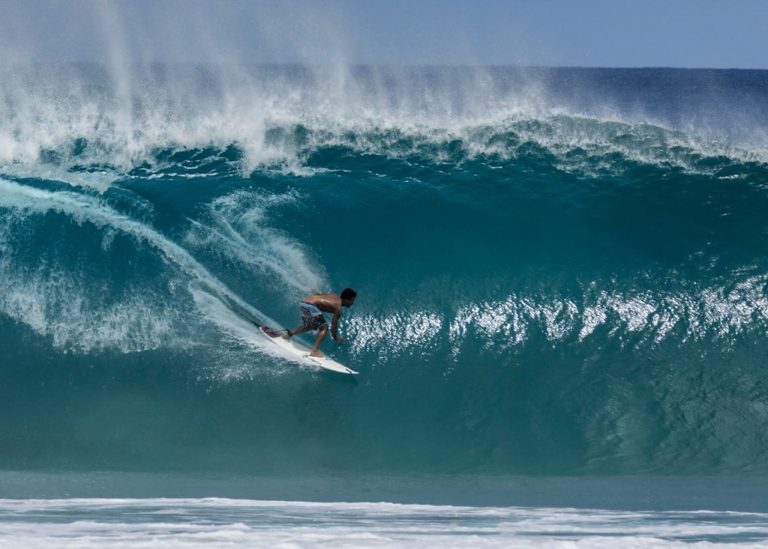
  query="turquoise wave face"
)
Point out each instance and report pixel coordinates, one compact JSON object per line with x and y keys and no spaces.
{"x":549,"y":294}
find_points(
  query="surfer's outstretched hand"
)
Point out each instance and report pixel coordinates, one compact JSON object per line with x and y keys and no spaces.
{"x":340,"y":340}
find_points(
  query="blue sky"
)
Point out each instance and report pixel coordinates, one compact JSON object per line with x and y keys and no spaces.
{"x":602,"y":33}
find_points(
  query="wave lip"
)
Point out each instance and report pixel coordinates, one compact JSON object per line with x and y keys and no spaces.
{"x":207,"y":120}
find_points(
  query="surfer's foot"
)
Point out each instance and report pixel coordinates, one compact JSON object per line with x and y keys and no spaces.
{"x":287,"y":334}
{"x":316,"y":354}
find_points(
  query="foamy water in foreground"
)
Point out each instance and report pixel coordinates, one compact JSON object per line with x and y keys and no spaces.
{"x":218,"y":522}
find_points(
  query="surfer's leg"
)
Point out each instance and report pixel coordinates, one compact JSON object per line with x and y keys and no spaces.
{"x":306,"y":322}
{"x":295,"y":331}
{"x":321,"y":332}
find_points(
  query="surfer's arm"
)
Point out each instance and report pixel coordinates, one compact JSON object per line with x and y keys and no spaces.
{"x":335,"y":328}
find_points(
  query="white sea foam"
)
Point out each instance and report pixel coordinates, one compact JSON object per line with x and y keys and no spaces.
{"x":503,"y":325}
{"x":392,"y":335}
{"x":55,"y":120}
{"x":224,"y":523}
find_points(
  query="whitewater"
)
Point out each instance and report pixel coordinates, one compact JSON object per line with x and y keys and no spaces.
{"x":560,"y":327}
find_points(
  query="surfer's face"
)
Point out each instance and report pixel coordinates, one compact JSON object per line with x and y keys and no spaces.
{"x":348,"y":302}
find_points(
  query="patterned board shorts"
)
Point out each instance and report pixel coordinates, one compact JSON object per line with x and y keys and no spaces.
{"x":311,"y":317}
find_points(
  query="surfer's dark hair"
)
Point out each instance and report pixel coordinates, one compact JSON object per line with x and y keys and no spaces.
{"x":348,"y":293}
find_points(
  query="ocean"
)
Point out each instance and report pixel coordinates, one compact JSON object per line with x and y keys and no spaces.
{"x":560,"y":328}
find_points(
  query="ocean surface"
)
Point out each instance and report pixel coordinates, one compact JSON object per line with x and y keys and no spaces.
{"x":560,"y":328}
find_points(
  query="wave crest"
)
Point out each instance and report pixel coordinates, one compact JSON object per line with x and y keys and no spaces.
{"x":197,"y":122}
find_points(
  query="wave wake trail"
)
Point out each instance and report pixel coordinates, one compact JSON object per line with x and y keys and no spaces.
{"x":26,"y":201}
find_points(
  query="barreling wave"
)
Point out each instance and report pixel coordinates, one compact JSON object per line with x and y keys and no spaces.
{"x":544,"y":286}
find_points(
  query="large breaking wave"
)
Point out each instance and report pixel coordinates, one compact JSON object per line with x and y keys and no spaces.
{"x":547,"y":284}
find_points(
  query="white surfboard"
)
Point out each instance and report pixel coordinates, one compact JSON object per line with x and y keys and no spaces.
{"x":301,"y":351}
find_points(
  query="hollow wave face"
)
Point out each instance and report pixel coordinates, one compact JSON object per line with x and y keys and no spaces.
{"x":547,"y":284}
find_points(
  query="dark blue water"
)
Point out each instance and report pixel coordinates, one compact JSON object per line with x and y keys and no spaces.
{"x":559,"y":272}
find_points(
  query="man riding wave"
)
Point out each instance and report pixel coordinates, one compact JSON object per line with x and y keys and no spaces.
{"x":312,"y":318}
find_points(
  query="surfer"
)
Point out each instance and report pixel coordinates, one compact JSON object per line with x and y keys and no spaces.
{"x":312,"y":318}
